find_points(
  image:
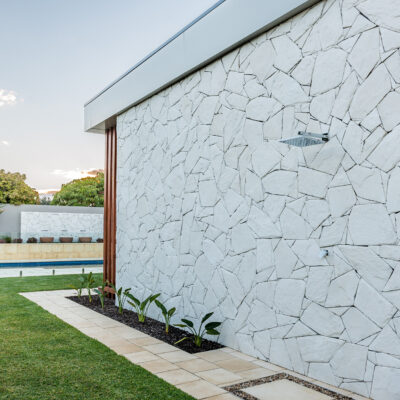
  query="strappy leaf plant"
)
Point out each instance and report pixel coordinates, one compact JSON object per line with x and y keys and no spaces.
{"x":121,"y":296}
{"x":141,"y":307}
{"x":167,"y":314}
{"x":101,"y":292}
{"x":90,"y":284}
{"x":80,"y":286}
{"x":198,"y":335}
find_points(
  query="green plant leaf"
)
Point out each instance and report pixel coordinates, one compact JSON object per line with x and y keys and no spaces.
{"x":206,"y":317}
{"x":187,"y":322}
{"x":212,"y":332}
{"x":161,"y":307}
{"x":181,"y":325}
{"x":134,"y":299}
{"x":181,"y":340}
{"x":152,"y":298}
{"x":212,"y":325}
{"x":171,"y":312}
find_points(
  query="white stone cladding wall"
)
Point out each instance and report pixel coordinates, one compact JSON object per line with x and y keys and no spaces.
{"x":218,"y":216}
{"x":61,"y":224}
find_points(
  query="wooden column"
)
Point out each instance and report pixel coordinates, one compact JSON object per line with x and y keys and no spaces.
{"x":110,"y":205}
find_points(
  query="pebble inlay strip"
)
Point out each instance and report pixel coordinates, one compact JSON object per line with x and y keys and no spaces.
{"x":237,"y":388}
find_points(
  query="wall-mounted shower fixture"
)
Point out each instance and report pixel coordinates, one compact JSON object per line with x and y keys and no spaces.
{"x":323,"y":253}
{"x":305,"y":139}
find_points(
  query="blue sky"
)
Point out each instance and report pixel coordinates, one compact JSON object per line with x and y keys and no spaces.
{"x":55,"y":55}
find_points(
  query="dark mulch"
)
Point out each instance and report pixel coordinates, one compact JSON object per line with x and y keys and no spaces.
{"x":151,"y":326}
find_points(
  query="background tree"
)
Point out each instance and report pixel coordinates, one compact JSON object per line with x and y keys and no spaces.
{"x":87,"y":192}
{"x":14,"y":190}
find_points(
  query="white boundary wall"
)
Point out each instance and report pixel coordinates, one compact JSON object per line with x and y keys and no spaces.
{"x":61,"y":224}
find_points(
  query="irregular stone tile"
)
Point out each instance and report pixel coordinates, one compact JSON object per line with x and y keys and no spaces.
{"x":286,"y":90}
{"x":235,"y":82}
{"x":289,"y":305}
{"x":212,"y":252}
{"x":393,"y":66}
{"x":314,"y":183}
{"x":372,"y":121}
{"x":341,"y":199}
{"x":305,"y":21}
{"x":273,"y":127}
{"x":393,"y":193}
{"x":394,"y":281}
{"x":358,"y":326}
{"x":373,"y":305}
{"x":370,"y":224}
{"x":281,"y":183}
{"x":349,"y":361}
{"x":208,"y":193}
{"x":327,"y":31}
{"x":353,"y":142}
{"x":308,"y":252}
{"x":242,"y":239}
{"x":342,"y":290}
{"x":293,"y":226}
{"x":390,"y":39}
{"x":370,"y":93}
{"x":321,"y":106}
{"x":303,"y":71}
{"x":386,"y":342}
{"x":322,"y":372}
{"x":262,"y":317}
{"x":367,"y":183}
{"x":365,"y":54}
{"x":262,"y":60}
{"x":334,"y":234}
{"x":318,"y":282}
{"x":386,"y":383}
{"x":345,"y":96}
{"x":371,"y":267}
{"x":318,"y":348}
{"x":322,"y":320}
{"x":381,"y":14}
{"x":262,"y":108}
{"x":253,"y":89}
{"x":361,"y":24}
{"x":262,"y":224}
{"x":388,"y":111}
{"x":206,"y":109}
{"x":316,"y":212}
{"x":328,"y":71}
{"x":285,"y":260}
{"x":383,"y":156}
{"x":288,"y":54}
{"x":264,"y":159}
{"x":279,"y":354}
{"x":253,"y":186}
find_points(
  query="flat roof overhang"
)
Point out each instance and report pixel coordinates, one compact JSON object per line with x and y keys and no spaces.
{"x":223,"y":27}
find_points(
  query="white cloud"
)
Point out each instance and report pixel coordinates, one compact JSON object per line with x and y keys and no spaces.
{"x":73,"y":173}
{"x":7,"y":98}
{"x":4,"y":143}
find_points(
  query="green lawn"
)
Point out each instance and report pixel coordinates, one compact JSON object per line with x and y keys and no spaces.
{"x":43,"y":358}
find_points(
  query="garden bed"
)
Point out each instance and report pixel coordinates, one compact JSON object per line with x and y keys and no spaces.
{"x":151,"y":326}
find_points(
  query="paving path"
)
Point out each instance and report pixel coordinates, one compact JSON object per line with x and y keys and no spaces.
{"x":203,"y":375}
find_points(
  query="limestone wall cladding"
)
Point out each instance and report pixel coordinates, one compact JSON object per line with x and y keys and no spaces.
{"x":218,"y":216}
{"x":61,"y":224}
